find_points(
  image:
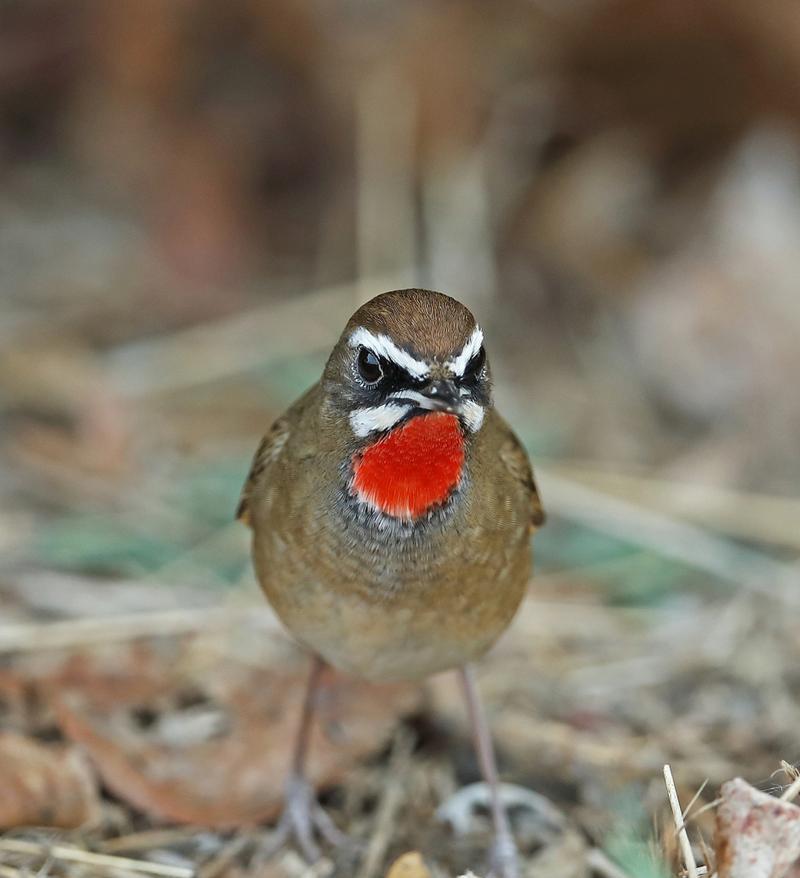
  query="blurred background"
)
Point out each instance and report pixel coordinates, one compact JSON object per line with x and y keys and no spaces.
{"x":195,"y":196}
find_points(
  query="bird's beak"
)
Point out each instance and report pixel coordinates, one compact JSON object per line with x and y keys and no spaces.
{"x":441,"y":396}
{"x":437,"y":396}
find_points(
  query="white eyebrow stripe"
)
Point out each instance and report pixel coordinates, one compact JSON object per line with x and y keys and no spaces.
{"x":376,"y":418}
{"x":473,"y":345}
{"x":383,"y":346}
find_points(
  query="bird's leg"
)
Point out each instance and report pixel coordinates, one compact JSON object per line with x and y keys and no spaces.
{"x":302,"y":816}
{"x":503,"y":855}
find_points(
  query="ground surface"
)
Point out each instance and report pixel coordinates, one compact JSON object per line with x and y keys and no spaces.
{"x":614,"y":189}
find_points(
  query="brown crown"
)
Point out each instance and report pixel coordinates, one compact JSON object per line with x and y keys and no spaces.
{"x":427,"y":324}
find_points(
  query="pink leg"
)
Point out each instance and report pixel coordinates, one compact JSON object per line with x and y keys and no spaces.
{"x":503,"y":856}
{"x":302,"y":816}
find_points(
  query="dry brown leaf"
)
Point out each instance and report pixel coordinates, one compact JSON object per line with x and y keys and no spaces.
{"x":758,"y":836}
{"x":409,"y":865}
{"x":43,"y":785}
{"x":214,"y":748}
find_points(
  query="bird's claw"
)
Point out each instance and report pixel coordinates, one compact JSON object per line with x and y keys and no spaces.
{"x":460,"y":810}
{"x":302,"y":819}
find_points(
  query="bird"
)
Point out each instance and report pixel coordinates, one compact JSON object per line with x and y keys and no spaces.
{"x":391,"y":510}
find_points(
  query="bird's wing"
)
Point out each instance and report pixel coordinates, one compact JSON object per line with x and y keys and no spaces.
{"x":514,"y":456}
{"x":268,"y":452}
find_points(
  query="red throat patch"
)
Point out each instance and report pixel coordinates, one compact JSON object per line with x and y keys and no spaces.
{"x":413,"y":468}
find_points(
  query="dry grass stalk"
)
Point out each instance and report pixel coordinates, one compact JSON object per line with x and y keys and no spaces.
{"x":677,"y":814}
{"x":791,"y":791}
{"x":707,"y":807}
{"x":708,"y":858}
{"x":146,"y":840}
{"x":91,"y":859}
{"x":671,"y":538}
{"x":35,"y":637}
{"x":390,"y":803}
{"x":233,"y":345}
{"x":218,"y":863}
{"x":695,"y":797}
{"x":770,"y":519}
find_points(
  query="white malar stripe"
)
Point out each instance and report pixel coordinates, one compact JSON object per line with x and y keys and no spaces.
{"x":380,"y":417}
{"x":473,"y":414}
{"x":473,"y":345}
{"x":383,"y":346}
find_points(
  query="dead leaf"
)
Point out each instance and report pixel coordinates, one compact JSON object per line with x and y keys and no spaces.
{"x":758,"y":836}
{"x":44,"y":786}
{"x":409,"y":865}
{"x":214,"y":748}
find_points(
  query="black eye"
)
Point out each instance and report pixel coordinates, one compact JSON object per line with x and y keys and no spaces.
{"x":475,"y":365}
{"x":369,"y":366}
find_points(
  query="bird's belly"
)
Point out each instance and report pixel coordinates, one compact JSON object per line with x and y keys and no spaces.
{"x":395,"y":640}
{"x":422,"y":626}
{"x":396,"y":643}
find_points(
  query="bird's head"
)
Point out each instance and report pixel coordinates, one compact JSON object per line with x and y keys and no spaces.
{"x":409,"y":386}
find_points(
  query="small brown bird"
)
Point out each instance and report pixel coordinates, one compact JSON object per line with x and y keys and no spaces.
{"x":391,"y":509}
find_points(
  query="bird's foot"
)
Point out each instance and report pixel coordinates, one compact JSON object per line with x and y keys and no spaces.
{"x":303,"y":819}
{"x":503,"y":857}
{"x":461,"y":809}
{"x":543,"y":820}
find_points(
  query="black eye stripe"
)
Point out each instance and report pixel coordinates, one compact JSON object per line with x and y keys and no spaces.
{"x":380,"y":377}
{"x":475,"y":363}
{"x":395,"y":374}
{"x":401,"y":375}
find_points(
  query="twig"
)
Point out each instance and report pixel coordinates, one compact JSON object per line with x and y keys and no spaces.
{"x":677,"y":814}
{"x":89,"y":858}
